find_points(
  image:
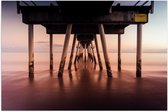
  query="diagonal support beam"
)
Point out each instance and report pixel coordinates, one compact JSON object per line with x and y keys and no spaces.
{"x":65,"y":49}
{"x":103,"y":41}
{"x":89,"y":53}
{"x":94,"y":58}
{"x":98,"y":53}
{"x":72,"y":51}
{"x":77,"y":49}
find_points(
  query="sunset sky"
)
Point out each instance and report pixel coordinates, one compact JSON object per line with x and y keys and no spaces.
{"x":15,"y":33}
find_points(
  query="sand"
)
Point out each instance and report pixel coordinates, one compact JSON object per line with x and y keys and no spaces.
{"x":85,"y":90}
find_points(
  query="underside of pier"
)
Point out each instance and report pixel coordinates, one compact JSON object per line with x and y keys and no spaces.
{"x":85,"y":20}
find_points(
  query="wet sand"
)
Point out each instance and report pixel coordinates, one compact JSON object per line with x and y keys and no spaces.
{"x":85,"y":89}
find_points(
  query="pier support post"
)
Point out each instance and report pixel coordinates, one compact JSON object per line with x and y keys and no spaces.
{"x":65,"y":48}
{"x":119,"y":52}
{"x":77,"y":48}
{"x":93,"y":56}
{"x":85,"y":54}
{"x":103,"y":41}
{"x":72,"y":51}
{"x":139,"y":50}
{"x":31,"y":50}
{"x":51,"y":52}
{"x":98,"y":53}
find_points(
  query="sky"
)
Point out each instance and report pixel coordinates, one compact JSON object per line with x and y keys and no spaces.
{"x":14,"y":33}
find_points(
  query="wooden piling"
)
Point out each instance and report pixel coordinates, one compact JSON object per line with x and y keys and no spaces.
{"x":89,"y":53}
{"x":94,"y":58}
{"x":31,"y":50}
{"x":103,"y":41}
{"x":119,"y":52}
{"x":98,"y":53}
{"x":85,"y":54}
{"x":51,"y":52}
{"x":72,"y":51}
{"x":77,"y":49}
{"x":65,"y":48}
{"x":139,"y":50}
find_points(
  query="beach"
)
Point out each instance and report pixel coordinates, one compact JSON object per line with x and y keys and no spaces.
{"x":85,"y":89}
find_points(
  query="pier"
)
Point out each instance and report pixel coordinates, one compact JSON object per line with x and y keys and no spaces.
{"x":87,"y":55}
{"x":85,"y":20}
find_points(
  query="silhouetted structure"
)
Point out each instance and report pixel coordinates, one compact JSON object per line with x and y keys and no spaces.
{"x":85,"y":20}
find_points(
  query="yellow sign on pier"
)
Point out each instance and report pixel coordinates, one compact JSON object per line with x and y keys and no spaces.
{"x":140,"y":18}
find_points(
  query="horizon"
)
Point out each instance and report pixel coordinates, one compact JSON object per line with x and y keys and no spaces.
{"x":110,"y":51}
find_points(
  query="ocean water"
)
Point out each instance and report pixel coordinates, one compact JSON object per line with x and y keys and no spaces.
{"x":19,"y":61}
{"x":85,"y":89}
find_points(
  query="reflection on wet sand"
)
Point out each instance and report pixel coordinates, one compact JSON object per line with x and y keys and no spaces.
{"x":83,"y":89}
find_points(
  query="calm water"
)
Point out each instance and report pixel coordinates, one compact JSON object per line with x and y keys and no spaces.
{"x":86,"y":88}
{"x":18,"y":61}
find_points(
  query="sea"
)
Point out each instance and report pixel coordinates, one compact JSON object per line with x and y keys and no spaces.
{"x":19,"y":61}
{"x":84,"y":90}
